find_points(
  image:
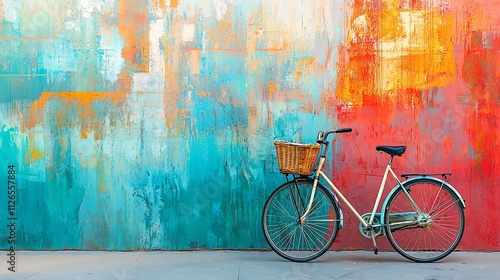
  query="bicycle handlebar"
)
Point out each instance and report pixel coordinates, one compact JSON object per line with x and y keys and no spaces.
{"x":343,"y":130}
{"x":323,"y":135}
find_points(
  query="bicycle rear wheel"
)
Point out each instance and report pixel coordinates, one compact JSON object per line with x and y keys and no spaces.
{"x":434,"y":234}
{"x":287,"y":236}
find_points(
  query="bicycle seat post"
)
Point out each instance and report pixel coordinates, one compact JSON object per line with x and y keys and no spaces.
{"x":390,"y":161}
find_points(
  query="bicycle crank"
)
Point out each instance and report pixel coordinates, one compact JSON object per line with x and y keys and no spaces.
{"x":376,"y":227}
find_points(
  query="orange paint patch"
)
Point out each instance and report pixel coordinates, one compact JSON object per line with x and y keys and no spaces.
{"x":421,"y":57}
{"x":357,"y":72}
{"x":81,"y":98}
{"x":82,"y":103}
{"x":227,"y":36}
{"x":270,"y":118}
{"x":304,"y":99}
{"x":272,"y":87}
{"x":392,"y":50}
{"x":133,"y":26}
{"x":303,"y":67}
{"x":195,"y":61}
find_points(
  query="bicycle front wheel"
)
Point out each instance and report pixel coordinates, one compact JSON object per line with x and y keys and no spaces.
{"x":429,"y":236}
{"x":286,"y":234}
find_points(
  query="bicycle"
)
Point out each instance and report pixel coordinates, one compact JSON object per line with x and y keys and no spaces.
{"x":422,"y":217}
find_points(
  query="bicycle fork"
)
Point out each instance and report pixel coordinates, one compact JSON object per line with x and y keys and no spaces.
{"x":315,"y":184}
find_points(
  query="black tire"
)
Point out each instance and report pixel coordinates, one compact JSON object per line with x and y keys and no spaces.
{"x":280,"y":221}
{"x":435,"y":234}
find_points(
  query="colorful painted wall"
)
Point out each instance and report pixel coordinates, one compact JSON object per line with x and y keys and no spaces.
{"x":148,"y":124}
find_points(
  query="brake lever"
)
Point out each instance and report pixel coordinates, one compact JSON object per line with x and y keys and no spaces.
{"x":320,"y":138}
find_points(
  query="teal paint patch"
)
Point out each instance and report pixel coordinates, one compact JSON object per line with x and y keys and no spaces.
{"x":186,"y":168}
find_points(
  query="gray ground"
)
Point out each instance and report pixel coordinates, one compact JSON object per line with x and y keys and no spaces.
{"x":244,"y":265}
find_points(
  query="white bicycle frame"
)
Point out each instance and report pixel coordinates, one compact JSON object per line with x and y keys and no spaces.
{"x":388,"y":170}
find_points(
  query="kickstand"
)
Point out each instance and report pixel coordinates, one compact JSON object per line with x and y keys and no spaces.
{"x":375,"y":250}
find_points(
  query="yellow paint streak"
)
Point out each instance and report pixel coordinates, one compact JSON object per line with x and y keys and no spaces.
{"x":102,"y":188}
{"x":101,"y":177}
{"x":393,"y":51}
{"x":33,"y":154}
{"x":273,"y":87}
{"x":419,"y":55}
{"x":390,"y":23}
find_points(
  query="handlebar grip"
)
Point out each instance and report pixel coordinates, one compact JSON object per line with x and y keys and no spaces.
{"x":343,"y":130}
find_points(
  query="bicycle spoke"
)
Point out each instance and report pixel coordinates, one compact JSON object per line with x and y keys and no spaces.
{"x":294,"y":239}
{"x":280,"y":208}
{"x":436,"y":232}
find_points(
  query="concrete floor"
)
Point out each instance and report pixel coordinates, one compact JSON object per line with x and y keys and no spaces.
{"x":244,"y":265}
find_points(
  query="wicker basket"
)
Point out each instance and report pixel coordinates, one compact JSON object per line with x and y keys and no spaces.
{"x":294,"y":158}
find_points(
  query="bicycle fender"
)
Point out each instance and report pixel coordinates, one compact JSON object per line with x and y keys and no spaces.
{"x":416,"y":179}
{"x":340,"y":209}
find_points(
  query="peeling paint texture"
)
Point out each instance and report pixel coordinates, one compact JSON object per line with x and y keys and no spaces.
{"x":149,"y":124}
